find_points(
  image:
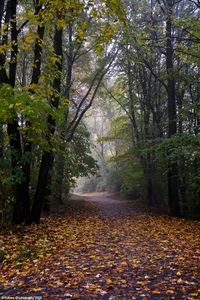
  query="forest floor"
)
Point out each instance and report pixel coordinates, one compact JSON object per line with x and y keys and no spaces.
{"x":99,"y":247}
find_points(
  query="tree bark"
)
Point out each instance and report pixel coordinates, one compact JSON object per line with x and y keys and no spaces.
{"x":173,"y":190}
{"x":21,"y":212}
{"x":21,"y":209}
{"x":61,"y":160}
{"x":60,"y":168}
{"x":1,"y":142}
{"x":4,"y":38}
{"x":34,"y":80}
{"x":47,"y":156}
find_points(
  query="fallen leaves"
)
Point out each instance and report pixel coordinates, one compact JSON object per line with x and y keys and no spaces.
{"x":155,"y":292}
{"x":96,"y":249}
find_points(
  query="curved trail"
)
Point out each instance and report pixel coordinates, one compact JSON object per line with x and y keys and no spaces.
{"x":103,"y":248}
{"x":108,"y":206}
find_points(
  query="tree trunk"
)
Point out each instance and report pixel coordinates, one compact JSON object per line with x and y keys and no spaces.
{"x":34,"y":80}
{"x":47,"y":157}
{"x":41,"y":187}
{"x":21,"y":207}
{"x":21,"y":212}
{"x":60,"y":166}
{"x":1,"y":142}
{"x":173,"y":193}
{"x":46,"y":206}
{"x":61,"y":159}
{"x":4,"y":40}
{"x":2,"y":190}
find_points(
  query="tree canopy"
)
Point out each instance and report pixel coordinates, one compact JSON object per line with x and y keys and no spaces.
{"x":135,"y":62}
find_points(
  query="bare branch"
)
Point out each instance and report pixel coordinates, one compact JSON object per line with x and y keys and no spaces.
{"x":178,"y":1}
{"x":114,"y":98}
{"x":22,"y":26}
{"x":79,"y":117}
{"x":187,"y":53}
{"x":197,"y":3}
{"x":154,"y":74}
{"x":159,"y":2}
{"x":84,"y":98}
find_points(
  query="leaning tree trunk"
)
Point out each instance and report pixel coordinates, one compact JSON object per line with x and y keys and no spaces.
{"x":173,"y":192}
{"x":47,"y":156}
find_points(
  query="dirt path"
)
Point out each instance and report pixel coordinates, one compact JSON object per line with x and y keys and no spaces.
{"x":102,"y":248}
{"x":108,"y":206}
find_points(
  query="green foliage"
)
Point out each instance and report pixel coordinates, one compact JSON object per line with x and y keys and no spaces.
{"x":27,"y":253}
{"x":133,"y":184}
{"x":7,"y":102}
{"x":2,"y":255}
{"x":79,"y":161}
{"x":31,"y":105}
{"x":185,"y":150}
{"x":189,"y":52}
{"x":186,"y":146}
{"x":114,"y":178}
{"x":17,"y":175}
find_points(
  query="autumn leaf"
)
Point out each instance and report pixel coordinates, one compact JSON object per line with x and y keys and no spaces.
{"x":155,"y":292}
{"x":87,"y":254}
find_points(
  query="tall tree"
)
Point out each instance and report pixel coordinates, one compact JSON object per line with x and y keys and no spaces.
{"x":47,"y":156}
{"x":173,"y":188}
{"x":21,"y":204}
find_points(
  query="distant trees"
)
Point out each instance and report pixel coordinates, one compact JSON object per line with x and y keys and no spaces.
{"x":166,"y":38}
{"x":41,"y":112}
{"x":54,"y":58}
{"x":157,"y":89}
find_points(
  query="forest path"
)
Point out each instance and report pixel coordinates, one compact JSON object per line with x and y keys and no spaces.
{"x":108,"y":205}
{"x":100,"y":247}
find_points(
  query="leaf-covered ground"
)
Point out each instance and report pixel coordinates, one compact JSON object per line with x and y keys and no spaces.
{"x":102,"y":248}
